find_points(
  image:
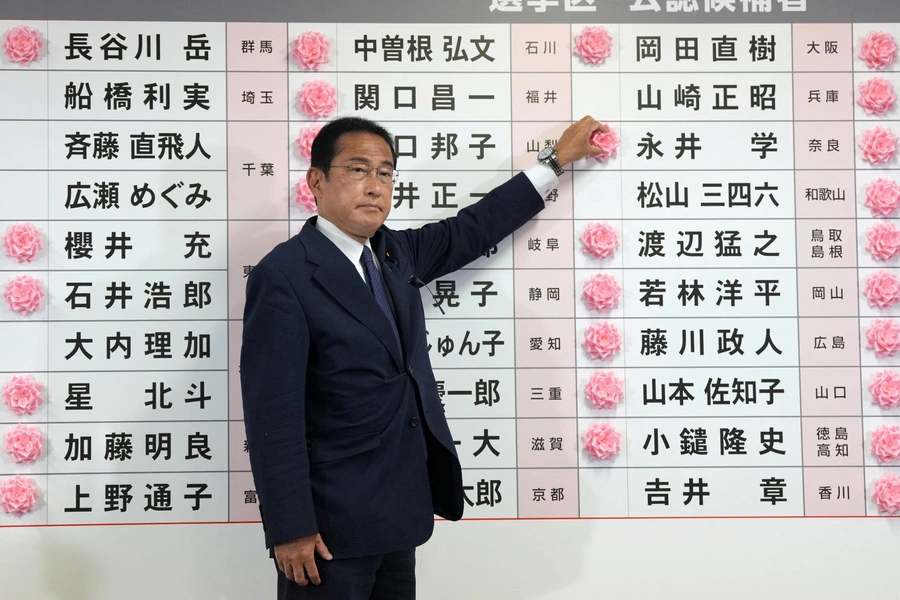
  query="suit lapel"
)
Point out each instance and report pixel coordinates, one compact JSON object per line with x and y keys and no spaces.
{"x":341,"y":280}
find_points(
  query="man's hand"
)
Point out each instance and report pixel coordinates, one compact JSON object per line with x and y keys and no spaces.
{"x":297,"y":559}
{"x":574,"y":143}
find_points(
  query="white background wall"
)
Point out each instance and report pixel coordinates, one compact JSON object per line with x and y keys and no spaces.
{"x":669,"y":559}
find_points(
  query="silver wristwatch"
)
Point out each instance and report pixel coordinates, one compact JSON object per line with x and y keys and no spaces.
{"x":548,"y":157}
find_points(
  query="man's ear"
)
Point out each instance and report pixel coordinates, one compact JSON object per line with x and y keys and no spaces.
{"x":315,"y":178}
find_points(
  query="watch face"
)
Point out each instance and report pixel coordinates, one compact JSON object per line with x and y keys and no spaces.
{"x":545,"y":153}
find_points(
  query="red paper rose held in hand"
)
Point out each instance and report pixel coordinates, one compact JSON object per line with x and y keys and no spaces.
{"x":883,"y":336}
{"x":886,"y":443}
{"x":885,"y":389}
{"x":304,"y":196}
{"x":22,"y":242}
{"x":18,"y":495}
{"x":23,"y":294}
{"x":600,"y":240}
{"x":877,"y":96}
{"x":878,"y":145}
{"x":311,"y":50}
{"x":601,"y":292}
{"x":23,"y":45}
{"x":594,"y":45}
{"x":317,"y":99}
{"x":608,"y":142}
{"x":883,"y":241}
{"x":24,"y":443}
{"x":305,"y":140}
{"x":602,"y":441}
{"x":605,"y":389}
{"x":602,"y":340}
{"x":882,"y":289}
{"x":878,"y":50}
{"x":883,"y":197}
{"x":23,"y":395}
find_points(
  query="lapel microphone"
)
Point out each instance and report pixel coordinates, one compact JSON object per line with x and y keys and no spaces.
{"x":418,"y":283}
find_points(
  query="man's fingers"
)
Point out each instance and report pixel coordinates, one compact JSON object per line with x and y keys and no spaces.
{"x":312,"y":571}
{"x":297,"y":559}
{"x":322,"y":549}
{"x":299,"y":575}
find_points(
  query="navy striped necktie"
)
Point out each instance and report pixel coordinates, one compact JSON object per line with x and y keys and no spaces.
{"x":375,"y":285}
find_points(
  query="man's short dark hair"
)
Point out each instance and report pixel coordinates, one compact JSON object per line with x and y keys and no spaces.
{"x":325,"y":144}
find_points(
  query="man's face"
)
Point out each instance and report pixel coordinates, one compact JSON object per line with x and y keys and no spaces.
{"x":358,"y":208}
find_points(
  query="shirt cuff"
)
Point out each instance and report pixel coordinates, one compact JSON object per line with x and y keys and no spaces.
{"x":542,"y":178}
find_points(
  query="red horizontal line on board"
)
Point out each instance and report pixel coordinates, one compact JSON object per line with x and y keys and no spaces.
{"x":644,"y":518}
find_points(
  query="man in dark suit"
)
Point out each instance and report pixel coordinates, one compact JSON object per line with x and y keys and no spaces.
{"x":349,"y":447}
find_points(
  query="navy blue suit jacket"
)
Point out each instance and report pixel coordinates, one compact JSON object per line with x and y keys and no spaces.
{"x":346,"y":434}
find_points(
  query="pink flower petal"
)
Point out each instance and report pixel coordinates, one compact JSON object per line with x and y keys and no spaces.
{"x":600,"y":240}
{"x":878,"y":49}
{"x":23,"y":294}
{"x":317,"y":99}
{"x":310,"y":50}
{"x":885,"y":389}
{"x":23,"y":45}
{"x":602,"y":340}
{"x":304,"y":196}
{"x":18,"y":495}
{"x":604,"y":389}
{"x":594,"y":45}
{"x":608,"y":142}
{"x":602,"y":441}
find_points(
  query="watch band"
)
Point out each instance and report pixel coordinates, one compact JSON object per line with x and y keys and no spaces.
{"x":553,"y":163}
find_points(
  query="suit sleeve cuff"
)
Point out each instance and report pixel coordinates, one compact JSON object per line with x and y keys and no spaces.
{"x":542,"y":178}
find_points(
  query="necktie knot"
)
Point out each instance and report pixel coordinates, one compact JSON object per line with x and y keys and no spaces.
{"x":367,"y":257}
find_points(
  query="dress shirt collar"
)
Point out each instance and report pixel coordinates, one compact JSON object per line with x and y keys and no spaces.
{"x":346,"y":244}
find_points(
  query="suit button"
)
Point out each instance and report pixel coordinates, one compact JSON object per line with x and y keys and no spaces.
{"x":409,"y":370}
{"x":414,"y":422}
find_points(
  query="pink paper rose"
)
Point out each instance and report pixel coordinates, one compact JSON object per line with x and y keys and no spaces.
{"x":317,"y":99}
{"x":883,"y":241}
{"x":877,"y":96}
{"x":878,"y":49}
{"x":23,"y":394}
{"x":600,"y":240}
{"x":887,"y":493}
{"x":601,"y":292}
{"x":305,"y":141}
{"x":594,"y":44}
{"x":882,"y":289}
{"x":602,"y":340}
{"x":878,"y":145}
{"x":311,"y":50}
{"x":602,"y":441}
{"x":605,"y":389}
{"x":608,"y":142}
{"x":24,"y":443}
{"x":23,"y":294}
{"x":886,"y":443}
{"x":23,"y":45}
{"x":883,"y":197}
{"x":304,"y":196}
{"x":22,"y":242}
{"x":885,"y":389}
{"x":18,"y":495}
{"x":883,"y":336}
